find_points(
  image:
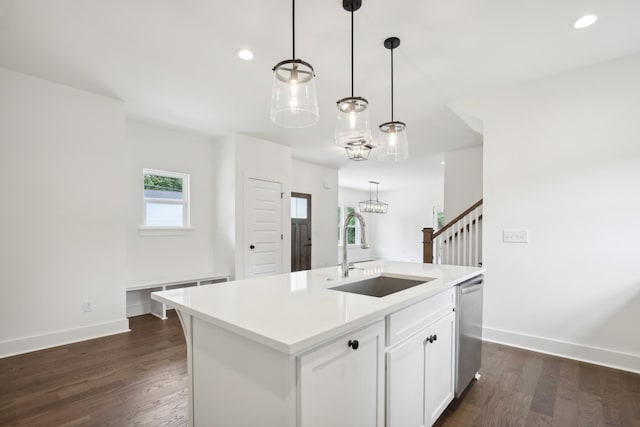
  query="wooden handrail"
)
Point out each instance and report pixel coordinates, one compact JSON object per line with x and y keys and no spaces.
{"x":456,"y":219}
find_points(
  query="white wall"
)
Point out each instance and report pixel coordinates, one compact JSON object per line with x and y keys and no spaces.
{"x":155,"y":256}
{"x":562,"y":160}
{"x":398,"y":234}
{"x":462,"y":180}
{"x":62,"y":162}
{"x":322,"y":184}
{"x":224,"y":212}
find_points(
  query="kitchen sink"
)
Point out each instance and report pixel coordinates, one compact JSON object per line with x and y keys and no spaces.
{"x":380,"y":286}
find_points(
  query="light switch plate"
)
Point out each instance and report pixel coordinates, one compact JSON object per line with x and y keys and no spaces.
{"x":515,"y":236}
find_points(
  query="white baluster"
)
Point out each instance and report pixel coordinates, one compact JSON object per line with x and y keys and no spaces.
{"x":469,"y":248}
{"x":481,"y":233}
{"x":450,"y":246}
{"x":474,"y":243}
{"x":458,"y":243}
{"x":461,"y":243}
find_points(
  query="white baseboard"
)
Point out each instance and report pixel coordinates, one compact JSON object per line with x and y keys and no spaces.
{"x":67,"y":336}
{"x":595,"y":355}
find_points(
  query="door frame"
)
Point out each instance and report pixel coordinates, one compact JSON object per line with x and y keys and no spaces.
{"x":307,"y":196}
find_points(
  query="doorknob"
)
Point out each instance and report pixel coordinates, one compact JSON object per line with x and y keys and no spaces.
{"x":252,"y":247}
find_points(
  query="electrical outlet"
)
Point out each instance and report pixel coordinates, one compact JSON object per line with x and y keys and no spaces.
{"x":87,"y":305}
{"x":515,"y":236}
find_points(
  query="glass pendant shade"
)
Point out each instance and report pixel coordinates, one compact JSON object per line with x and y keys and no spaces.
{"x":294,"y":103}
{"x":394,"y":145}
{"x":352,"y":124}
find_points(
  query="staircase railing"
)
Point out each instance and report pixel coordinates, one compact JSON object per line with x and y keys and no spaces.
{"x":459,"y":242}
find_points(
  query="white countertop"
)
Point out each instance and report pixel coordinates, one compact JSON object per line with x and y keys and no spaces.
{"x":295,"y":311}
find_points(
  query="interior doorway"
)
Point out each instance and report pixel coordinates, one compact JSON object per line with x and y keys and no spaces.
{"x":300,"y":231}
{"x":262,"y":228}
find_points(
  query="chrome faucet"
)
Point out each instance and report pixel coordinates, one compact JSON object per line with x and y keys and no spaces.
{"x":363,"y":239}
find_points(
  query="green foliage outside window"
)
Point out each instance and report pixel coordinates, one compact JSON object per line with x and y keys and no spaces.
{"x":162,"y":183}
{"x":351,"y":236}
{"x":440,"y":220}
{"x":351,"y":227}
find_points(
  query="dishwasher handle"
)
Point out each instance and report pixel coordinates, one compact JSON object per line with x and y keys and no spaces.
{"x":472,"y":285}
{"x":471,"y":289}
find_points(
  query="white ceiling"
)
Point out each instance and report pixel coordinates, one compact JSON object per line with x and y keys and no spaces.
{"x":174,"y":61}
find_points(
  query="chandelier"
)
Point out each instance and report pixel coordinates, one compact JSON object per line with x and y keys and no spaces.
{"x":373,"y":206}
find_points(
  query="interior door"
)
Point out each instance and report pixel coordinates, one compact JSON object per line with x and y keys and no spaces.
{"x":300,"y":231}
{"x":262,"y":228}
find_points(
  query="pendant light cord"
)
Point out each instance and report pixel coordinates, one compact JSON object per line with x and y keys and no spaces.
{"x":391,"y":84}
{"x":352,"y":52}
{"x":293,"y":26}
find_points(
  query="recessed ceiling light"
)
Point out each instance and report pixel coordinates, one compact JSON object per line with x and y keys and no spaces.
{"x":585,"y":21}
{"x":442,"y":163}
{"x":245,"y":54}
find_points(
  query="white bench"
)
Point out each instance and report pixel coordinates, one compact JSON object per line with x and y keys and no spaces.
{"x":139,"y":292}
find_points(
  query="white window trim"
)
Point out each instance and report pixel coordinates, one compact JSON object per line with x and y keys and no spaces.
{"x":165,"y":231}
{"x":150,"y":230}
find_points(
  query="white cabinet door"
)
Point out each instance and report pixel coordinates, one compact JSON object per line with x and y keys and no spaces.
{"x":439,"y":368}
{"x":343,"y":385}
{"x":405,"y":383}
{"x":420,"y":375}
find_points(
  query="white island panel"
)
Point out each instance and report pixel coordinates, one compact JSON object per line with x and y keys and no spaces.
{"x":237,"y":381}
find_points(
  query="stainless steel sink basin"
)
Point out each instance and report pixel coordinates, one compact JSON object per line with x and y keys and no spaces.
{"x":380,"y":286}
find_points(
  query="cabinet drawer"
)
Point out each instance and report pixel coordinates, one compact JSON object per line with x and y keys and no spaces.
{"x":404,"y":323}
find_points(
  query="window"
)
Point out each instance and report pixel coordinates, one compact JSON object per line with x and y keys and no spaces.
{"x":353,"y":231}
{"x":299,"y":207}
{"x":165,"y":199}
{"x":438,"y":218}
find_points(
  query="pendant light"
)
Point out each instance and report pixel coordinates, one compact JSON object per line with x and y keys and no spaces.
{"x":293,"y":99}
{"x":358,"y":153}
{"x":352,"y":126}
{"x":393,"y":135}
{"x":373,"y":206}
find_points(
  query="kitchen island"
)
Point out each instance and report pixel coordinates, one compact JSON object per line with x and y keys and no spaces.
{"x":287,"y":350}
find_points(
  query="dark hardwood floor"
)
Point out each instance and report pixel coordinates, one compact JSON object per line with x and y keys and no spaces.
{"x":522,"y":388}
{"x":139,"y":379}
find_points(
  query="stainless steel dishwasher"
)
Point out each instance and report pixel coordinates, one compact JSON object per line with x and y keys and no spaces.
{"x":468,"y":331}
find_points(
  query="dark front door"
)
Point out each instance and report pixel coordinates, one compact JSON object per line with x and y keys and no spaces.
{"x":300,"y":231}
